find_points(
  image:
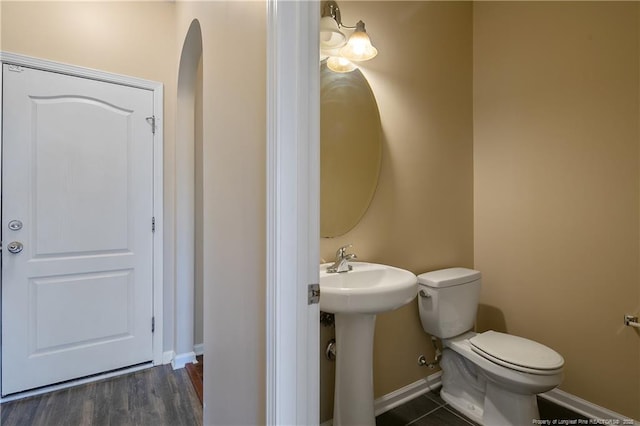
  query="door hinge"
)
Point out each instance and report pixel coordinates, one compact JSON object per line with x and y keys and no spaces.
{"x":153,"y":324}
{"x":15,"y":68}
{"x":313,"y":294}
{"x":153,"y":224}
{"x":152,"y":121}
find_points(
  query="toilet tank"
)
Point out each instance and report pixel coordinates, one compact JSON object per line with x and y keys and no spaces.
{"x":451,"y":304}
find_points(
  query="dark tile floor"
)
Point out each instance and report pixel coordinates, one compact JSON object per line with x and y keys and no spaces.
{"x":431,"y":410}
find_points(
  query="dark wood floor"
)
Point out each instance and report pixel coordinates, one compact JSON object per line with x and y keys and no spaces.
{"x":156,"y":396}
{"x":196,"y":374}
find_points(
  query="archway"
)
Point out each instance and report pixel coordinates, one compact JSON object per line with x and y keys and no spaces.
{"x":188,"y":205}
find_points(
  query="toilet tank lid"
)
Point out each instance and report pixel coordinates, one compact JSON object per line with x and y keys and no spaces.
{"x":448,"y":277}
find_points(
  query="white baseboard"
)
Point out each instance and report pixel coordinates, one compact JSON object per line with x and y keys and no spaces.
{"x":167,"y":357}
{"x":198,"y":349}
{"x":586,"y":408}
{"x":407,"y":393}
{"x":557,"y":396}
{"x":180,"y":360}
{"x":400,"y":396}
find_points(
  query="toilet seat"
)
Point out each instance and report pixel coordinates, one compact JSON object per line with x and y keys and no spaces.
{"x":517,"y":353}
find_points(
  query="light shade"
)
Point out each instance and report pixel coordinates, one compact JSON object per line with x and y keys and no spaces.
{"x":340,"y":64}
{"x":330,"y":35}
{"x":359,"y":47}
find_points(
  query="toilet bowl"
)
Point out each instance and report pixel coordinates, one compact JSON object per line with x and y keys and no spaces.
{"x":491,"y":377}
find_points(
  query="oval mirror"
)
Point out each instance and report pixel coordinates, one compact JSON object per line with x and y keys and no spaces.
{"x":350,"y":149}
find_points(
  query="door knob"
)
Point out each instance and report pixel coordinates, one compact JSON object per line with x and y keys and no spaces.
{"x":15,"y":247}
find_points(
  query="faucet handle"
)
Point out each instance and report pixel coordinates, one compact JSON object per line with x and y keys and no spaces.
{"x":342,"y":251}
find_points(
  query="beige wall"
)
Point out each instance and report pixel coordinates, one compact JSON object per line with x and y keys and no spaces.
{"x":234,"y":200}
{"x":556,"y":185}
{"x":421,"y":217}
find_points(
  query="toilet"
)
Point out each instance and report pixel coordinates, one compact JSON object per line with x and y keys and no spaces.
{"x":491,"y":377}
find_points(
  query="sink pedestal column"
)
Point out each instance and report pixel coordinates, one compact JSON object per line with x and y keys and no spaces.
{"x":353,"y":399}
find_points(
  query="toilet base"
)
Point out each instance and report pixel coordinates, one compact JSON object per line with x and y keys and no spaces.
{"x":462,"y":387}
{"x":469,"y":409}
{"x":467,"y":389}
{"x":514,"y":409}
{"x":502,"y":407}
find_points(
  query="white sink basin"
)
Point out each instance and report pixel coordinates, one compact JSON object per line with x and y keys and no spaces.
{"x":369,"y":288}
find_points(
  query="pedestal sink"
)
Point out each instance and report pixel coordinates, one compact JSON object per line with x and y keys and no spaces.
{"x":355,"y":297}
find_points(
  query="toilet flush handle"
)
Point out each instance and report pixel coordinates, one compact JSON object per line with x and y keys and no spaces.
{"x":631,"y":321}
{"x":424,"y":294}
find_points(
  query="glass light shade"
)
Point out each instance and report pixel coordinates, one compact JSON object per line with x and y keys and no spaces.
{"x":330,"y":35}
{"x":340,"y":64}
{"x":327,"y":53}
{"x":359,"y":47}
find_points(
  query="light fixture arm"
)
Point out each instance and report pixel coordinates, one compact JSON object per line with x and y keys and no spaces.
{"x":330,"y":8}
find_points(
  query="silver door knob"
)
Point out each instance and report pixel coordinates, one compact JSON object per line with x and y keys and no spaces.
{"x":15,"y":247}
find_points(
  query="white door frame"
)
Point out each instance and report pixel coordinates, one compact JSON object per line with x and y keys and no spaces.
{"x":158,"y":93}
{"x":293,"y":211}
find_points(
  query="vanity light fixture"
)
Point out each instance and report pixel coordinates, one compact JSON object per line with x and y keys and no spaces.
{"x":334,"y":44}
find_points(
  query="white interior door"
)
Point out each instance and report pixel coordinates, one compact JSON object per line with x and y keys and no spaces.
{"x":77,"y":207}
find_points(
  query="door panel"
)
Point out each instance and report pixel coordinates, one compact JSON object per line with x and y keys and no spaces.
{"x":78,"y":173}
{"x":59,"y":324}
{"x":69,"y":164}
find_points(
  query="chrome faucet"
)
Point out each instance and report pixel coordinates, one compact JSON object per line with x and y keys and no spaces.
{"x":341,"y":263}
